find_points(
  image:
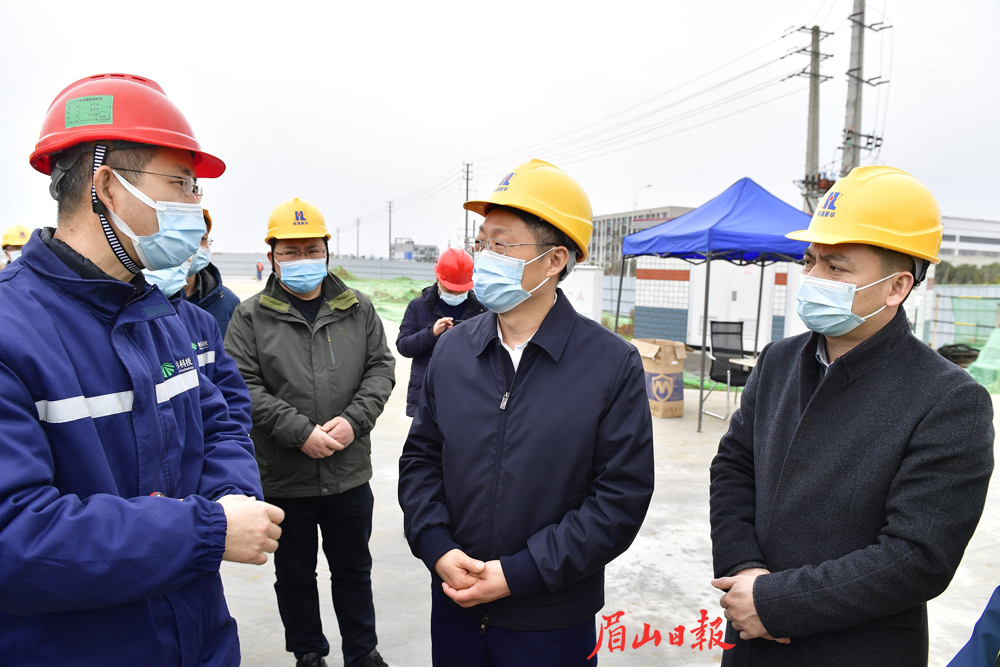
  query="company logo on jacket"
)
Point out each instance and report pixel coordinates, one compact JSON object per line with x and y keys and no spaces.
{"x":169,"y":368}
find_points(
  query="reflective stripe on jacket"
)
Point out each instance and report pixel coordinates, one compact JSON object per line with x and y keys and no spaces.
{"x":103,"y":405}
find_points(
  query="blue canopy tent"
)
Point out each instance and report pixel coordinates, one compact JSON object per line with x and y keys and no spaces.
{"x":745,"y":224}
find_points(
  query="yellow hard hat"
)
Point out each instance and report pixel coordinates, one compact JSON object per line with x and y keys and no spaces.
{"x":548,"y":192}
{"x":879,"y":206}
{"x":16,"y":235}
{"x":296,"y":219}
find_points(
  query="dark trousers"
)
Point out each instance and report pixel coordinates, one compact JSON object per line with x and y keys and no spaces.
{"x":459,"y":640}
{"x":346,"y":522}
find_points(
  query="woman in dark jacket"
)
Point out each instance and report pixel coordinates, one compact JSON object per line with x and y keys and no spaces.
{"x":440,"y":306}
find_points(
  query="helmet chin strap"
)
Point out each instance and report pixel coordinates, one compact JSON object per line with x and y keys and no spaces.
{"x":100,"y":152}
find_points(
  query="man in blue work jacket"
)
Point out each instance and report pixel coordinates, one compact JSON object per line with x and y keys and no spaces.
{"x":529,"y":463}
{"x":206,"y":343}
{"x":124,"y":481}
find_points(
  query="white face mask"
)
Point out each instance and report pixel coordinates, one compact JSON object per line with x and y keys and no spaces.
{"x":181,"y":226}
{"x":200,"y":260}
{"x":497,"y":280}
{"x":14,"y":254}
{"x":825,"y":306}
{"x":453,"y":299}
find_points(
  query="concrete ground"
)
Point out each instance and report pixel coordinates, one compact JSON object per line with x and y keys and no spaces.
{"x":662,"y":580}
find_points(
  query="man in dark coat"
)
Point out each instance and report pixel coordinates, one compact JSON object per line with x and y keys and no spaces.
{"x":855,"y":472}
{"x":439,"y":307}
{"x":204,"y":286}
{"x":529,"y":464}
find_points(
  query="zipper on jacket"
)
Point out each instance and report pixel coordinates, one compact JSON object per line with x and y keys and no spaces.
{"x":506,"y":391}
{"x":482,"y":628}
{"x":496,"y":470}
{"x":329,"y":342}
{"x":138,"y":296}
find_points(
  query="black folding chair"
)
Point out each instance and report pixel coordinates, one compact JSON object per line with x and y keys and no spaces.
{"x":726,"y":343}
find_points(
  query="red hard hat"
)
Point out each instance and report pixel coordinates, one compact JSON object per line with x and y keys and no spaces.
{"x":454,"y":270}
{"x":117,"y":106}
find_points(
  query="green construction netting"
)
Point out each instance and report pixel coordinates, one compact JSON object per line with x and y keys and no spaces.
{"x":986,"y":368}
{"x":975,"y":319}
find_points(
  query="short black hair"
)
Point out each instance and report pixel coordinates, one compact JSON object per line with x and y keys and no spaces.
{"x":893,"y":261}
{"x":74,"y":188}
{"x":544,"y":232}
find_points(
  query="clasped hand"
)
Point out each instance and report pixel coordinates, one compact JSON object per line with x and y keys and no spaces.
{"x":738,"y":603}
{"x":470,"y":582}
{"x":329,"y":438}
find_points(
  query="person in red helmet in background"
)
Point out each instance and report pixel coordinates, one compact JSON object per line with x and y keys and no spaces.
{"x":125,"y":482}
{"x":440,"y":306}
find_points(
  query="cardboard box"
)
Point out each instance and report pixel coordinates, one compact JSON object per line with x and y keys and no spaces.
{"x":663,"y":364}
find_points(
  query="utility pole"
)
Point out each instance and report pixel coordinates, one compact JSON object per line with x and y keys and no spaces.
{"x":854,"y":138}
{"x":852,"y":124}
{"x":813,"y":186}
{"x":390,"y":231}
{"x":812,"y":136}
{"x":467,"y":177}
{"x":358,"y":251}
{"x":338,"y":242}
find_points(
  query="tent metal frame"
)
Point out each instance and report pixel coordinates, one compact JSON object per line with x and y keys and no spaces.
{"x":737,"y":257}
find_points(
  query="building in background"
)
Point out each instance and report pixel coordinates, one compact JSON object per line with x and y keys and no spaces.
{"x":970,"y":241}
{"x":610,"y":228}
{"x":407,"y":250}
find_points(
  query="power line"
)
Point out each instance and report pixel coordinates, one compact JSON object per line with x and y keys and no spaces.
{"x":430,"y":195}
{"x":675,"y":103}
{"x":545,"y":144}
{"x":448,"y":176}
{"x":670,"y":134}
{"x":671,"y":121}
{"x":451,"y":190}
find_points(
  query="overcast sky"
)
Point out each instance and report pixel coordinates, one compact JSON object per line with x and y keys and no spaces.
{"x":350,"y":105}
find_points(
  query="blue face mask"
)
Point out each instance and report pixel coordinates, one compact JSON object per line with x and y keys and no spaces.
{"x":496,"y":280}
{"x":453,"y":299}
{"x":200,"y":260}
{"x":181,"y":228}
{"x":303,"y":275}
{"x":825,"y":305}
{"x":170,"y":281}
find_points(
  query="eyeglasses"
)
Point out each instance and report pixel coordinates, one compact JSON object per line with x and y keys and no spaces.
{"x":188,"y":183}
{"x":474,"y":245}
{"x":312,"y":253}
{"x":207,"y":241}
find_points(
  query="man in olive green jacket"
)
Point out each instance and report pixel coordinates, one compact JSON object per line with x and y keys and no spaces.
{"x":315,"y":358}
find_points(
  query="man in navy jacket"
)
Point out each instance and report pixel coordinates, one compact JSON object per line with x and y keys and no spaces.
{"x":204,"y":286}
{"x":855,"y":471}
{"x":439,"y":307}
{"x":124,"y":481}
{"x":529,"y":463}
